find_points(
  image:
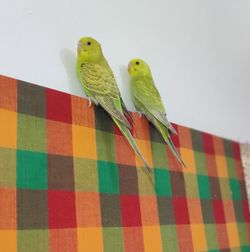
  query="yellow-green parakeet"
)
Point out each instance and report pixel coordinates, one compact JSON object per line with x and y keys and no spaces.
{"x":147,"y":100}
{"x":100,"y":86}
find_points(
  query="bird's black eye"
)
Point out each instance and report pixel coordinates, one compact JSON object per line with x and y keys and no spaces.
{"x":88,"y":43}
{"x":137,"y":62}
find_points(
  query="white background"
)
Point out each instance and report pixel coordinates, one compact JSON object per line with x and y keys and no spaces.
{"x":198,"y":50}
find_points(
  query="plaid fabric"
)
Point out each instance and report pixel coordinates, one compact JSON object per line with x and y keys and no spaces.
{"x":70,"y":182}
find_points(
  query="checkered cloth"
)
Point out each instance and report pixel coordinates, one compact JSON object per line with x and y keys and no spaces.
{"x":70,"y":182}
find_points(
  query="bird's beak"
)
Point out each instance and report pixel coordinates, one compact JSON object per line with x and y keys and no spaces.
{"x":80,"y":48}
{"x":129,"y":67}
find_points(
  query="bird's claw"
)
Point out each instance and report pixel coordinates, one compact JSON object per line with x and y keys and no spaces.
{"x":89,"y":102}
{"x":139,"y":114}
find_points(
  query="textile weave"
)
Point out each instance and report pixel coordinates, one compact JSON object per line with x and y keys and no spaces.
{"x":69,"y":181}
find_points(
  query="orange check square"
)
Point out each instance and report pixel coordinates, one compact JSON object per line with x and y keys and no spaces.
{"x":59,"y":138}
{"x":188,"y":158}
{"x":195,"y":212}
{"x":141,"y":127}
{"x":239,"y":169}
{"x":211,"y":165}
{"x":8,"y":128}
{"x":199,"y":238}
{"x":173,"y":163}
{"x":149,"y":211}
{"x":184,"y":235}
{"x":152,"y":238}
{"x":185,"y":137}
{"x":124,"y":152}
{"x":133,"y":239}
{"x":7,"y":209}
{"x":229,"y":211}
{"x":218,"y":144}
{"x":84,"y":142}
{"x":8,"y":240}
{"x":222,"y":236}
{"x":90,"y":239}
{"x":63,"y":240}
{"x":221,"y":165}
{"x":8,"y":93}
{"x":81,"y":113}
{"x":145,"y":148}
{"x":232,"y":232}
{"x":88,"y":209}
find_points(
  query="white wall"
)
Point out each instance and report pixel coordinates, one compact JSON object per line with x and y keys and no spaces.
{"x":199,"y":52}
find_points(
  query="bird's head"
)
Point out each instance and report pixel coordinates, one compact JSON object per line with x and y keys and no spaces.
{"x":138,"y":67}
{"x":89,"y":50}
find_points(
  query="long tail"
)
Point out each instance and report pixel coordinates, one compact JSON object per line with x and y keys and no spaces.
{"x":165,"y":135}
{"x":125,"y":131}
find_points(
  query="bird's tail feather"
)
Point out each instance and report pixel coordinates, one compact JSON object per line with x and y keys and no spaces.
{"x":170,"y":143}
{"x":175,"y":152}
{"x":125,"y":131}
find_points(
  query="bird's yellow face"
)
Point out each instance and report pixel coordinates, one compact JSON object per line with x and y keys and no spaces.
{"x":138,"y":67}
{"x":89,"y":49}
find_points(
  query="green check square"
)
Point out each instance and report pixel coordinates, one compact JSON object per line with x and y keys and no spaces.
{"x":7,"y":168}
{"x":236,"y":249}
{"x":31,"y":133}
{"x":108,"y":177}
{"x":243,"y":233}
{"x":235,"y":189}
{"x":169,"y":238}
{"x":31,"y":170}
{"x":113,"y":239}
{"x":245,"y":248}
{"x":146,"y":184}
{"x":211,"y":234}
{"x":105,"y":146}
{"x":159,"y":154}
{"x":200,"y":162}
{"x":32,"y":241}
{"x":204,"y":187}
{"x":191,"y":189}
{"x":86,"y":175}
{"x":162,"y":182}
{"x":224,"y":188}
{"x":231,"y":167}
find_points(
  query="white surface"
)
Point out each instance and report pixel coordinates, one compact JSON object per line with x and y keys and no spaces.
{"x":199,"y":52}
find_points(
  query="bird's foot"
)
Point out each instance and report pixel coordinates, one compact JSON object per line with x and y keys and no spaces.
{"x":89,"y":102}
{"x":139,"y":114}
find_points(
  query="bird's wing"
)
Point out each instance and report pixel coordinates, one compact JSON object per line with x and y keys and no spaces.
{"x":102,"y":87}
{"x":125,"y":110}
{"x":98,"y":80}
{"x":147,"y":94}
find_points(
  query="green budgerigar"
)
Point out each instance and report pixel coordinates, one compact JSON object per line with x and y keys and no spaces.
{"x":100,"y":86}
{"x":147,"y":100}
